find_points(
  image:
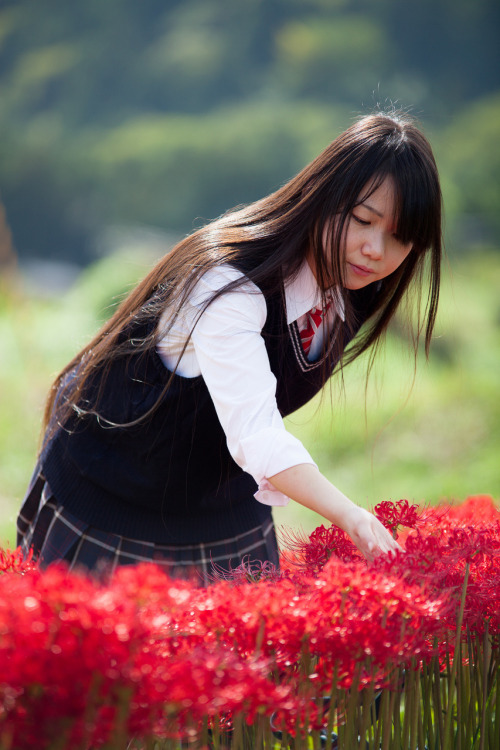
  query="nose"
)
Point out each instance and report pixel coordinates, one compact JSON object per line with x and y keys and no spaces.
{"x":374,"y":246}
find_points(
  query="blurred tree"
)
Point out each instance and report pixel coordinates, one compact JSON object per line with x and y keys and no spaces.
{"x":332,"y":59}
{"x":100,"y":62}
{"x":452,"y":45}
{"x":176,"y":171}
{"x":470,"y":160}
{"x":7,"y":253}
{"x":126,"y":111}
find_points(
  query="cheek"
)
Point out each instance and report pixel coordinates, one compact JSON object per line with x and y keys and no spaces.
{"x":354,"y":237}
{"x":399,"y":255}
{"x":406,"y":253}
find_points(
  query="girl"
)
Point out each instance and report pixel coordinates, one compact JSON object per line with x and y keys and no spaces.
{"x":164,"y":437}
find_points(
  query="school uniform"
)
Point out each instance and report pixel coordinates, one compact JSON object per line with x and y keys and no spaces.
{"x":187,"y":488}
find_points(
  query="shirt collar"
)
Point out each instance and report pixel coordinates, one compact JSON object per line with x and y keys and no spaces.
{"x":302,"y":294}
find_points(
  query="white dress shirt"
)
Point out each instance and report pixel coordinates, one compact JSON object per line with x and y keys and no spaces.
{"x":227,"y":349}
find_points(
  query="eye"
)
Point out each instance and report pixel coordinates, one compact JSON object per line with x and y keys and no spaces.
{"x":360,"y":221}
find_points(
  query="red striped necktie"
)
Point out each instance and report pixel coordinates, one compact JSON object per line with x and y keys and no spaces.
{"x":314,"y":318}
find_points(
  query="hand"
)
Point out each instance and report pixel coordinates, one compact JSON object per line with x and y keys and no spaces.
{"x":305,"y":484}
{"x":368,"y":534}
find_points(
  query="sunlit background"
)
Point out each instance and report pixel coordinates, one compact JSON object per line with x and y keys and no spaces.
{"x":125,"y":124}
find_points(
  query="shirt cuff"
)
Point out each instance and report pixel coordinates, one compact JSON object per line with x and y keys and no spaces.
{"x":269,"y":495}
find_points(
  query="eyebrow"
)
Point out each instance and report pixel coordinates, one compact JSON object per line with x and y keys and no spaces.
{"x":370,"y":208}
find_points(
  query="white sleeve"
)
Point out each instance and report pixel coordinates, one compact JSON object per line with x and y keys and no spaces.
{"x":234,"y":364}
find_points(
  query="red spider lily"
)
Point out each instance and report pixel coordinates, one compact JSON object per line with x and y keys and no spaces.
{"x":437,"y":555}
{"x":66,"y":646}
{"x":358,"y":615}
{"x":275,"y":617}
{"x":348,"y":614}
{"x":249,"y":571}
{"x":83,"y":662}
{"x":78,"y":655}
{"x":310,"y":553}
{"x":394,"y":515}
{"x":14,"y":561}
{"x":240,"y":620}
{"x":177,"y":689}
{"x":477,"y":509}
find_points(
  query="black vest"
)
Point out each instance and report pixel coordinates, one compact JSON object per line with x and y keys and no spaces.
{"x":171,"y":479}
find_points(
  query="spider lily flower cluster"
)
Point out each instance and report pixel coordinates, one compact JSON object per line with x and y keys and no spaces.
{"x":329,"y":651}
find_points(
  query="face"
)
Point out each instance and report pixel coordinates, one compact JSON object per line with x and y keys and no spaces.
{"x":372,"y":249}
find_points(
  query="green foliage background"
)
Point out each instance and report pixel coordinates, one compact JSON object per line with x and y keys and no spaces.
{"x":161,"y":114}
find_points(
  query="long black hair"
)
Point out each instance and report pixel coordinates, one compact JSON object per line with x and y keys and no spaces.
{"x":270,"y":239}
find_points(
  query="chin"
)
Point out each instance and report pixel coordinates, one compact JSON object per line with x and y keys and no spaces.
{"x":352,"y":285}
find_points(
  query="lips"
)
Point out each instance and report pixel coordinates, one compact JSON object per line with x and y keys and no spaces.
{"x":361,"y":270}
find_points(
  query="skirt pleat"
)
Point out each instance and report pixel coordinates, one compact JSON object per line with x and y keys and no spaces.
{"x":54,"y":534}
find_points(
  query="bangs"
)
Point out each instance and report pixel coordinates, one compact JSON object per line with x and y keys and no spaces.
{"x":417,"y":200}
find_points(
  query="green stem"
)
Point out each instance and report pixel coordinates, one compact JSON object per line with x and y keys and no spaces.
{"x":436,"y":690}
{"x":427,"y":730}
{"x":237,"y":739}
{"x":387,"y":729}
{"x":414,"y":707}
{"x":397,"y":711}
{"x":351,"y":736}
{"x":456,"y":658}
{"x":368,"y":695}
{"x":331,"y":709}
{"x":408,"y":700}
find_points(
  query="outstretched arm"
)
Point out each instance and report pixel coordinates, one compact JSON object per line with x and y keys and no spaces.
{"x":306,"y":485}
{"x":231,"y":356}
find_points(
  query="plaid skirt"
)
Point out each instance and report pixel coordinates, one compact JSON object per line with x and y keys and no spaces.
{"x":53,"y":533}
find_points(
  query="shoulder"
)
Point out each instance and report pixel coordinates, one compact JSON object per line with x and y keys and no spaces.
{"x":227,"y":290}
{"x":229,"y":282}
{"x":220,"y":276}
